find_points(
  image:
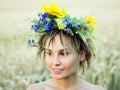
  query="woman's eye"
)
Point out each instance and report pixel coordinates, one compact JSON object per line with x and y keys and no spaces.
{"x":64,"y":53}
{"x":48,"y":53}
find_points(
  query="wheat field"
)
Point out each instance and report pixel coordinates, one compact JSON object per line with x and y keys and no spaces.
{"x":18,"y":64}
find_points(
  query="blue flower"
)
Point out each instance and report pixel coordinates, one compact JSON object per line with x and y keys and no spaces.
{"x":78,"y":25}
{"x":51,"y":24}
{"x":31,"y":41}
{"x":66,"y":20}
{"x":44,"y":16}
{"x":47,"y":28}
{"x":35,"y":27}
{"x":66,"y":30}
{"x":45,"y":22}
{"x":69,"y":25}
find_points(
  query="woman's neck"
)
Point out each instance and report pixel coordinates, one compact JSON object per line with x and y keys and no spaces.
{"x":69,"y":82}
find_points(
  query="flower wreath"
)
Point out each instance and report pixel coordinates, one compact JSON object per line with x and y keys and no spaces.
{"x":53,"y":17}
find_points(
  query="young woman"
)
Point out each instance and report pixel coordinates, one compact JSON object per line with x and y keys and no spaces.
{"x":67,"y":46}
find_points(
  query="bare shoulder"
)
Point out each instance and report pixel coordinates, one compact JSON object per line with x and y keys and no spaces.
{"x":38,"y":86}
{"x":92,"y":86}
{"x":95,"y":87}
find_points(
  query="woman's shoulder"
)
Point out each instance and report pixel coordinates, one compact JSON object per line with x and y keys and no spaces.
{"x":96,"y":87}
{"x":37,"y":86}
{"x":92,"y":86}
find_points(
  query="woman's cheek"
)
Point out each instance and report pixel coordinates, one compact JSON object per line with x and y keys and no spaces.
{"x":48,"y":60}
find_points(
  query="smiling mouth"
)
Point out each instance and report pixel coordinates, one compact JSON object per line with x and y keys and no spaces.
{"x":57,"y":71}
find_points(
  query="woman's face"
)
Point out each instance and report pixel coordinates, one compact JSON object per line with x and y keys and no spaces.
{"x":62,"y":60}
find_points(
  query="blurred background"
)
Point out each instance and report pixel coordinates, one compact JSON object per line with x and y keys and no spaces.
{"x":18,"y":64}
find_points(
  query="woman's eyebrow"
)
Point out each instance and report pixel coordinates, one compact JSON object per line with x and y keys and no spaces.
{"x":61,"y":50}
{"x":47,"y":49}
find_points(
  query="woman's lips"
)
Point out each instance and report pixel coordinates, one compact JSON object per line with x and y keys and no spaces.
{"x":57,"y":71}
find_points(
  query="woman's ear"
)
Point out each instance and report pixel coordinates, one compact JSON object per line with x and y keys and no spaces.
{"x":82,"y":55}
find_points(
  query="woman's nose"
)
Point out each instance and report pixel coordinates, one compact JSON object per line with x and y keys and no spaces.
{"x":56,"y":61}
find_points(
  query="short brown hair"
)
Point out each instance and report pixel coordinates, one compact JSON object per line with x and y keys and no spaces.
{"x":76,"y":41}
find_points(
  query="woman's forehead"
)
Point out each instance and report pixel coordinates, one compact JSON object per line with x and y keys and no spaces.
{"x":58,"y":43}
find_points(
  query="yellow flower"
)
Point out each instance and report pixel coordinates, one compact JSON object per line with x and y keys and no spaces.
{"x":60,"y":24}
{"x":91,"y":20}
{"x":54,"y":9}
